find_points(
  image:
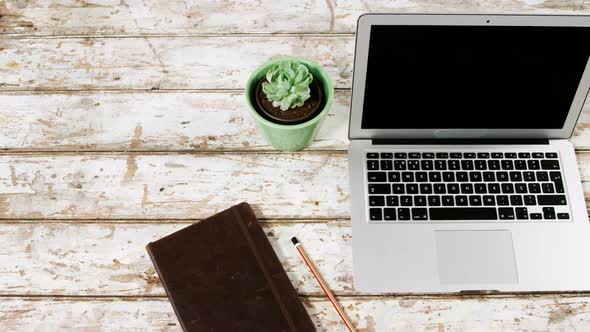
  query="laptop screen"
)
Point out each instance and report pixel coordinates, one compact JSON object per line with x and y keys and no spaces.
{"x":489,"y":77}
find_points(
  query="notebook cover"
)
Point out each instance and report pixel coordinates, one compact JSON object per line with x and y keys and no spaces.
{"x":221,"y":274}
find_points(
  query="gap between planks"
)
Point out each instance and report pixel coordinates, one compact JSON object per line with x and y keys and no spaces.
{"x":188,"y":35}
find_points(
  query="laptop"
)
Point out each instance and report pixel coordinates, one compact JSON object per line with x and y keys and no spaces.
{"x":462,"y":176}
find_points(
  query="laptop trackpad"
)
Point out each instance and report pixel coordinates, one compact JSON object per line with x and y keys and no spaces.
{"x":476,"y":257}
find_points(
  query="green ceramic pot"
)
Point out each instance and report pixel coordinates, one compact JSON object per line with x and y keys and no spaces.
{"x":290,"y":137}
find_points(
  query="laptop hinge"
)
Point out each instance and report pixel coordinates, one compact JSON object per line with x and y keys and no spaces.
{"x":467,"y":141}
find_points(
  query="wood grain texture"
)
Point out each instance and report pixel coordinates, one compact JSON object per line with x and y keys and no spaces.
{"x":160,"y":63}
{"x":107,"y":121}
{"x":183,"y":186}
{"x":111,"y":259}
{"x":370,"y":314}
{"x":160,"y":121}
{"x":109,"y":17}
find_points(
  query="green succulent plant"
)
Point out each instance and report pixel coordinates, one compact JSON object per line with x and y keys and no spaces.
{"x":288,"y":85}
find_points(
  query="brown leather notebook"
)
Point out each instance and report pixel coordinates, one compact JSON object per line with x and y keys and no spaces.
{"x":221,"y":274}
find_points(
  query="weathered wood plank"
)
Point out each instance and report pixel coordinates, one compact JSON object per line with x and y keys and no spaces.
{"x":107,"y":17}
{"x":313,"y":185}
{"x":106,"y":121}
{"x":160,"y":63}
{"x":524,"y":313}
{"x":185,"y":186}
{"x":160,"y":121}
{"x":110,"y":259}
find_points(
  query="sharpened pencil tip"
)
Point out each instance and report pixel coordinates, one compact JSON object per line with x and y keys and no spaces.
{"x":294,"y":240}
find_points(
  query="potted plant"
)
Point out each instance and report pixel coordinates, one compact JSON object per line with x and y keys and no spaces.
{"x":289,"y":97}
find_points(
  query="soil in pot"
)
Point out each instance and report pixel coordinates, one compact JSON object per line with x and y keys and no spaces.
{"x":312,"y":106}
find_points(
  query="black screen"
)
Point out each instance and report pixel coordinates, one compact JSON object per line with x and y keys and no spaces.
{"x":431,"y":77}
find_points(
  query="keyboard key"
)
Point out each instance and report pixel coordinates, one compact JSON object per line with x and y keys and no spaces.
{"x":515,"y":176}
{"x":386,"y":165}
{"x":375,"y":214}
{"x":392,"y":200}
{"x":428,"y":155}
{"x":454,"y":165}
{"x":469,"y":155}
{"x":497,"y":155}
{"x":555,"y":176}
{"x":413,"y":165}
{"x":442,"y":155}
{"x":475,"y":200}
{"x":400,"y":155}
{"x":456,"y":155}
{"x":434,"y":200}
{"x":551,"y":200}
{"x":563,"y":216}
{"x":483,"y":155}
{"x":515,"y":200}
{"x":533,"y":164}
{"x":403,"y":214}
{"x":440,"y":165}
{"x":405,"y":200}
{"x":548,"y":213}
{"x":493,"y":188}
{"x":507,"y":164}
{"x":494,"y":165}
{"x":407,"y":176}
{"x":372,"y":155}
{"x":542,"y":176}
{"x":489,"y":176}
{"x":534,"y":188}
{"x":520,"y":188}
{"x":379,"y":189}
{"x":506,"y":213}
{"x":502,"y":176}
{"x":524,"y":155}
{"x":549,"y":164}
{"x":394,"y":176}
{"x":448,"y":201}
{"x":481,"y":165}
{"x":412,"y":188}
{"x":462,"y":176}
{"x":426,"y":165}
{"x":520,"y":164}
{"x":398,"y":188}
{"x":547,"y":188}
{"x":440,"y":188}
{"x":453,"y":188}
{"x":536,"y":216}
{"x":551,"y":155}
{"x":421,"y":176}
{"x":475,"y":176}
{"x":529,"y":200}
{"x":419,"y":200}
{"x":461,"y":200}
{"x":419,"y":214}
{"x":425,"y":188}
{"x":480,"y":188}
{"x":467,"y":188}
{"x":559,"y":186}
{"x":400,"y":165}
{"x":467,"y":165}
{"x":507,"y":188}
{"x":377,"y":176}
{"x":538,"y":155}
{"x":389,"y":214}
{"x":528,"y":176}
{"x":502,"y":200}
{"x":480,"y":213}
{"x":372,"y":165}
{"x":376,"y":200}
{"x":489,"y":200}
{"x":386,"y":155}
{"x":510,"y":155}
{"x":414,"y":155}
{"x":522,"y":213}
{"x":448,"y":176}
{"x":434,"y":177}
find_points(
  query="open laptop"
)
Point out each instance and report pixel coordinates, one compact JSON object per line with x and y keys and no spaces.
{"x":462,"y":177}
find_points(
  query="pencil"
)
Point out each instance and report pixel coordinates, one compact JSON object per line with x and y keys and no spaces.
{"x":323,"y":284}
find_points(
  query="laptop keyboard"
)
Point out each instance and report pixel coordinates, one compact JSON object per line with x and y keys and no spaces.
{"x":439,"y":186}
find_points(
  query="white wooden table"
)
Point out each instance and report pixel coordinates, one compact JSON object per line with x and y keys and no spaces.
{"x":123,"y":121}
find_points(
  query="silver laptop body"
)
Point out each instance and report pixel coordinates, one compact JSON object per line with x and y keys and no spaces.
{"x":462,"y":176}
